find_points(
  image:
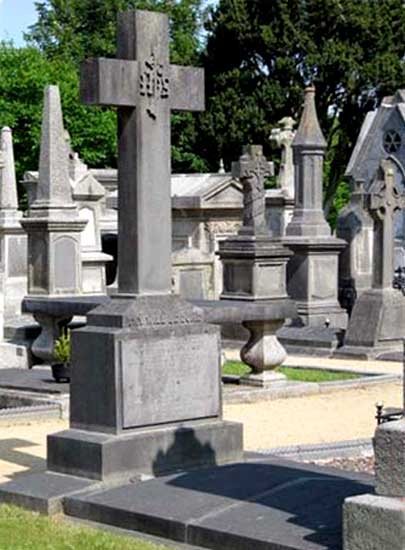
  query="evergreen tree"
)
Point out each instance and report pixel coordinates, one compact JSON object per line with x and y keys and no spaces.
{"x":261,"y":54}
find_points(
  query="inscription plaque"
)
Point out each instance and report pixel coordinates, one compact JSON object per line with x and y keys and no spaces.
{"x":169,"y":379}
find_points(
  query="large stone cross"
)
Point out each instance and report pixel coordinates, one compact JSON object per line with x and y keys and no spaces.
{"x":252,"y":168}
{"x":384,"y":201}
{"x":145,"y":88}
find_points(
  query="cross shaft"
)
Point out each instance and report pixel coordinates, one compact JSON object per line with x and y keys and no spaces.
{"x":144,"y":87}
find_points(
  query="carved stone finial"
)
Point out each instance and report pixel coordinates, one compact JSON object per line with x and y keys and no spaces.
{"x":309,"y":133}
{"x":287,"y":123}
{"x":221,"y":167}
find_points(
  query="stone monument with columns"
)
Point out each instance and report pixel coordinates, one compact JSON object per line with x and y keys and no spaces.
{"x":313,"y":270}
{"x":377,"y":323}
{"x":147,"y":357}
{"x":254,"y":268}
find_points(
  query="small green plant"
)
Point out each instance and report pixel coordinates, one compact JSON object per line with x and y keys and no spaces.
{"x":62,"y":348}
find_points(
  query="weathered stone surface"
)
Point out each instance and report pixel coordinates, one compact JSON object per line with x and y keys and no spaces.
{"x":13,"y":241}
{"x":8,"y":183}
{"x":312,"y":280}
{"x":389,"y":451}
{"x":356,"y":226}
{"x":162,"y":366}
{"x":145,"y":87}
{"x":373,"y":522}
{"x":252,"y":169}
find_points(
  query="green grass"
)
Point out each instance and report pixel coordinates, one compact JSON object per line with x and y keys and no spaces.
{"x":316,"y":375}
{"x":298,"y":375}
{"x":23,"y":530}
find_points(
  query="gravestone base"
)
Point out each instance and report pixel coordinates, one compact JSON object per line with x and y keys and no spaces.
{"x":373,"y":522}
{"x":254,"y":267}
{"x":376,"y":326}
{"x":154,"y":365}
{"x":156,"y":451}
{"x":266,"y":379}
{"x":312,"y":280}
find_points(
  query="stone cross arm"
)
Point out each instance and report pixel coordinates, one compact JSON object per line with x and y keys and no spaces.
{"x":117,"y":82}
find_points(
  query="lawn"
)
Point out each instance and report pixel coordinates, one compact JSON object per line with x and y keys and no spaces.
{"x":299,"y":375}
{"x":23,"y":530}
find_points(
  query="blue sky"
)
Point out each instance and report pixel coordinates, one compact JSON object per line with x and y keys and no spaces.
{"x":15,"y":17}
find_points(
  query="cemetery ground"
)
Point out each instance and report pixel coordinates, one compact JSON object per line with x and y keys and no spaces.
{"x":268,"y":424}
{"x":309,"y":419}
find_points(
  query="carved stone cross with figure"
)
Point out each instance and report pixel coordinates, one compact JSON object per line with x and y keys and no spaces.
{"x":145,"y":88}
{"x":252,"y":169}
{"x":385,"y":199}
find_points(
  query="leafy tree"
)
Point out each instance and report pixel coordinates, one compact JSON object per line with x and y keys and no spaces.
{"x":24,"y":73}
{"x":76,"y":29}
{"x":85,"y":28}
{"x":261,"y":54}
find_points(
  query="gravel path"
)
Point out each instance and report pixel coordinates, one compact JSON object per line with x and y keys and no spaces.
{"x":321,"y":418}
{"x":364,"y":464}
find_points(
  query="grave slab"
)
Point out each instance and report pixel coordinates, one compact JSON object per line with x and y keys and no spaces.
{"x":268,"y":504}
{"x":42,"y":492}
{"x":38,"y":380}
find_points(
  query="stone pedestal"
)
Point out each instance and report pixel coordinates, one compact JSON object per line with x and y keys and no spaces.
{"x":265,"y":379}
{"x":254,"y":268}
{"x":263,"y":350}
{"x":312,"y":280}
{"x":376,"y":325}
{"x":155,"y":368}
{"x":378,"y":521}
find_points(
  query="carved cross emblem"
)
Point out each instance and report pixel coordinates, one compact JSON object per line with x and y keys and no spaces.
{"x":153,"y":83}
